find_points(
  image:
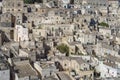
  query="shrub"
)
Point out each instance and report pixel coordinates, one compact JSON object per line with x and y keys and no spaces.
{"x":32,"y":1}
{"x":103,"y":24}
{"x":63,"y":48}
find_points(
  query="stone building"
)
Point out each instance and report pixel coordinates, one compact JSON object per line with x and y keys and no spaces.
{"x":12,"y":6}
{"x":4,"y":68}
{"x":7,"y":20}
{"x":21,"y":33}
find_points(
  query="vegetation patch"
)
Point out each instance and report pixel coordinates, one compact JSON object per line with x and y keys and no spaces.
{"x":63,"y":48}
{"x":32,"y":1}
{"x":103,"y":24}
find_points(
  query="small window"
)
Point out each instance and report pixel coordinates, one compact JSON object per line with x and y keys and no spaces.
{"x":19,"y":4}
{"x":39,"y":33}
{"x":65,"y":64}
{"x":3,"y":72}
{"x":42,"y":10}
{"x":13,"y":4}
{"x":8,"y":4}
{"x":8,"y":10}
{"x":19,"y":10}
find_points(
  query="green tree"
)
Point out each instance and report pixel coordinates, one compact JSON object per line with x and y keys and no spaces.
{"x":39,"y":1}
{"x":28,"y":1}
{"x":63,"y":48}
{"x":32,"y":1}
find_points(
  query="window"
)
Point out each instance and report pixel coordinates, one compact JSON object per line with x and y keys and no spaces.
{"x":39,"y":33}
{"x":8,"y":10}
{"x":104,"y":4}
{"x":108,"y":70}
{"x":13,"y":4}
{"x":19,"y":4}
{"x":65,"y":64}
{"x":42,"y":10}
{"x":8,"y":4}
{"x":19,"y":10}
